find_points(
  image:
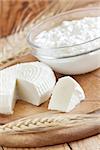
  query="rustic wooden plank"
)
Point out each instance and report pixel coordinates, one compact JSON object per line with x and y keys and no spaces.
{"x":56,"y":147}
{"x":92,"y":143}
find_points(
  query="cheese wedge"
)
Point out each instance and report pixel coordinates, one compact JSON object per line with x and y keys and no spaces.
{"x":7,"y":92}
{"x":66,"y":95}
{"x":35,"y":82}
{"x":32,"y":82}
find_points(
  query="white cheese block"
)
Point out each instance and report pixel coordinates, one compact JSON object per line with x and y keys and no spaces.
{"x":7,"y":92}
{"x":66,"y":95}
{"x":32,"y":82}
{"x":35,"y":82}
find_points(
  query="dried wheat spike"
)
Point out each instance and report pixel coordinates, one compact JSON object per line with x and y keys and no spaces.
{"x":47,"y":121}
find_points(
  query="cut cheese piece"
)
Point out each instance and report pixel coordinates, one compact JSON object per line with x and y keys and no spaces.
{"x":66,"y":95}
{"x":32,"y":82}
{"x":35,"y":82}
{"x":7,"y":92}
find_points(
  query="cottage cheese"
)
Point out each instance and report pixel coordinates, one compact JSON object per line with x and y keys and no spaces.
{"x":56,"y":47}
{"x":71,"y":33}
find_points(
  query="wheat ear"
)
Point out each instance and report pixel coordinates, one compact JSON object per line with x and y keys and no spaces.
{"x":44,"y":122}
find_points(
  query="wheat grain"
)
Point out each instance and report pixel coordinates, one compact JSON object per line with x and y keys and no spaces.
{"x":49,"y":122}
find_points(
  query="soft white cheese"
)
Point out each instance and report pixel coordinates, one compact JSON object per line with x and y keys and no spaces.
{"x":35,"y":82}
{"x":66,"y":95}
{"x":70,"y":33}
{"x":7,"y":92}
{"x":32,"y":82}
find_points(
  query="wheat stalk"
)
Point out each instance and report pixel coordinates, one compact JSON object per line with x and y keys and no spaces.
{"x":16,"y":44}
{"x":44,"y":122}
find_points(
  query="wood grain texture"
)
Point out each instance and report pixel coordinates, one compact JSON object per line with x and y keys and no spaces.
{"x":92,"y":143}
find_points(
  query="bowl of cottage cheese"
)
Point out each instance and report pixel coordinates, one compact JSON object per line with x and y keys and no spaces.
{"x":69,"y":42}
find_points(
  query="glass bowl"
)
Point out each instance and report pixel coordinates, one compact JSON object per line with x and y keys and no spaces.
{"x":58,"y":57}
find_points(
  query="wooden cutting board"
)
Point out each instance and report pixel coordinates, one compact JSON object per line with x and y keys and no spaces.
{"x":90,"y":83}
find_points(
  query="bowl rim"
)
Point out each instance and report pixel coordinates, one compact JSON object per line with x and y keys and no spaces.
{"x":36,"y":47}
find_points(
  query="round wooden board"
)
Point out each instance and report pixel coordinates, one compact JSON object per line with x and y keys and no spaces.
{"x":90,"y":83}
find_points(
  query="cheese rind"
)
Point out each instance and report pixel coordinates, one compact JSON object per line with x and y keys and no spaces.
{"x":66,"y":95}
{"x":33,"y":82}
